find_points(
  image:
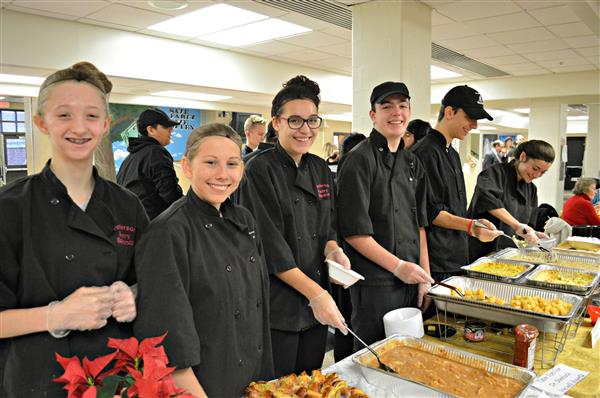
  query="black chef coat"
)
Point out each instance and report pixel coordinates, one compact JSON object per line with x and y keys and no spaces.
{"x":497,"y":187}
{"x":50,"y":248}
{"x":294,"y":210}
{"x":445,"y":192}
{"x":202,"y":279}
{"x":382,"y":194}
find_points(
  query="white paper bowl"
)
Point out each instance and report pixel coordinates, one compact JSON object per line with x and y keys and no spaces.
{"x":404,"y":321}
{"x":346,"y":277}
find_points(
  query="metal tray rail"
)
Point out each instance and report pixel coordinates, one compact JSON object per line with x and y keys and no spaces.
{"x":478,"y":274}
{"x":535,"y":256}
{"x":503,"y":313}
{"x":524,"y":376}
{"x":576,"y":289}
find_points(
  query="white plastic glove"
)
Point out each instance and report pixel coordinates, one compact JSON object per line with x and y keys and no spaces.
{"x":484,"y":230}
{"x":326,"y":312}
{"x":339,"y":257}
{"x":411,"y":273}
{"x":87,"y":308}
{"x":422,"y":300}
{"x":541,"y":235}
{"x":124,"y":302}
{"x":527,"y":233}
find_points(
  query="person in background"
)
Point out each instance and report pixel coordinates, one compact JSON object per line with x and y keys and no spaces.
{"x":269,"y":142}
{"x":449,"y":226}
{"x":332,"y":154}
{"x":493,"y":156}
{"x":579,"y":210}
{"x":505,"y":195}
{"x":596,"y":198}
{"x":254,"y":129}
{"x":382,"y":195}
{"x":415,"y":131}
{"x":67,"y":238}
{"x":507,"y":150}
{"x":202,"y":276}
{"x":291,"y":194}
{"x":148,"y":169}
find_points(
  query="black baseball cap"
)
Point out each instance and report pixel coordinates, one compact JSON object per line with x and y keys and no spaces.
{"x":152,"y":117}
{"x":469,"y":100}
{"x":384,"y":90}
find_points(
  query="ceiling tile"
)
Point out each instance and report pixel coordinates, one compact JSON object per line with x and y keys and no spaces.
{"x":467,"y":43}
{"x":450,"y":31}
{"x":339,"y":63}
{"x":503,"y":23}
{"x":570,"y":29}
{"x":192,"y":6}
{"x":550,"y":55}
{"x":594,"y":61}
{"x":536,"y":46}
{"x":554,"y":15}
{"x":589,"y":51}
{"x":522,"y":36}
{"x":74,"y":8}
{"x":504,"y":60}
{"x":128,"y":16}
{"x":573,"y":68}
{"x":306,"y":21}
{"x":313,"y":39}
{"x":304,"y":55}
{"x":108,"y":24}
{"x":438,"y":19}
{"x":40,"y":12}
{"x":486,"y":52}
{"x":571,"y":61}
{"x":518,"y":67}
{"x":161,"y":34}
{"x":538,"y":71}
{"x":273,"y":47}
{"x":257,"y":7}
{"x":535,"y":4}
{"x":342,"y":50}
{"x":583,"y":41}
{"x":469,"y":10}
{"x":337,"y":31}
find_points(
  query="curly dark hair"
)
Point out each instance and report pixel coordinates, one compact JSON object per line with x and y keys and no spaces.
{"x":299,"y":87}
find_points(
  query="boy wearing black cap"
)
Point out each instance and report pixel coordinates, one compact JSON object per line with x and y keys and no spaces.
{"x":415,"y":131}
{"x":381,"y":214}
{"x":148,"y":170}
{"x":447,"y":201}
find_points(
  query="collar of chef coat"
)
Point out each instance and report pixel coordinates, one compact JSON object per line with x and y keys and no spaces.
{"x":381,"y":143}
{"x":304,"y":178}
{"x":521,"y":186}
{"x":97,"y":219}
{"x":226,"y":209}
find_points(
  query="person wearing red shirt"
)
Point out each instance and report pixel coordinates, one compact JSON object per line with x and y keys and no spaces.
{"x":579,"y":210}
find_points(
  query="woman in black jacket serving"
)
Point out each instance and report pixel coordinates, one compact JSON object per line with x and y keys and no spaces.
{"x":505,"y":195}
{"x":291,"y":194}
{"x":67,"y":240}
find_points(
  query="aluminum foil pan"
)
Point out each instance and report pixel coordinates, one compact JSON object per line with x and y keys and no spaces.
{"x":503,"y":313}
{"x":535,"y":256}
{"x":478,"y":274}
{"x":380,"y":377}
{"x":577,"y":289}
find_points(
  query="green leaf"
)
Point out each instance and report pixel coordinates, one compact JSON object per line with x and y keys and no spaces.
{"x":109,"y":387}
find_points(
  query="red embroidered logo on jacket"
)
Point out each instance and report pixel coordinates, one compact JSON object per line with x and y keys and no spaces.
{"x":323,"y":191}
{"x":125,"y":235}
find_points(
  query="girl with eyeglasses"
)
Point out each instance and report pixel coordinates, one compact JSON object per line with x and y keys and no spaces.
{"x":291,"y":194}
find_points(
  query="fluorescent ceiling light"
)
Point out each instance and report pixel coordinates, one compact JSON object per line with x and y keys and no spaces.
{"x":509,"y":119}
{"x":583,"y":117}
{"x":191,"y":95}
{"x":441,"y":73}
{"x":21,"y":79}
{"x":256,"y":32}
{"x":207,"y":20}
{"x":522,"y":110}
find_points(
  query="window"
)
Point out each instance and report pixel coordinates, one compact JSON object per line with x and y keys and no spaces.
{"x":12,"y":121}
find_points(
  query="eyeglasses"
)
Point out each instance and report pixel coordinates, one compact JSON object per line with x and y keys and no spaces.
{"x":296,"y":122}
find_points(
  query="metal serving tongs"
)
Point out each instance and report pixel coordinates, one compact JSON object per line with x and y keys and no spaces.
{"x":457,"y":290}
{"x":512,"y":239}
{"x":382,"y":365}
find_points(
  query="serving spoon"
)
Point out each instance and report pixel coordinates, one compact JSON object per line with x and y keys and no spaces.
{"x":382,"y":365}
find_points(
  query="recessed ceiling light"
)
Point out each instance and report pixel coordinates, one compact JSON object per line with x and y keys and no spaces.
{"x":583,"y":117}
{"x":441,"y":73}
{"x":191,"y":95}
{"x":207,"y":20}
{"x":21,"y":79}
{"x":169,"y":5}
{"x":256,"y":32}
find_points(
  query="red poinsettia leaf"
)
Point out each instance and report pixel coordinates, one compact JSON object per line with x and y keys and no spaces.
{"x":64,"y":361}
{"x":169,"y":389}
{"x":128,"y":346}
{"x":151,"y":342}
{"x":74,"y":373}
{"x":154,"y":370}
{"x":93,"y":368}
{"x":147,"y":388}
{"x":90,"y":392}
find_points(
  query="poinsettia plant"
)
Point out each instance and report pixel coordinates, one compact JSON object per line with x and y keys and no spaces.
{"x":138,"y":369}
